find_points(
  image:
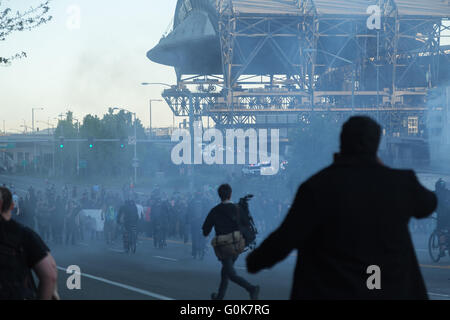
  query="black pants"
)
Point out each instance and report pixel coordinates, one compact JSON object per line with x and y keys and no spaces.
{"x":228,"y":273}
{"x":70,"y":234}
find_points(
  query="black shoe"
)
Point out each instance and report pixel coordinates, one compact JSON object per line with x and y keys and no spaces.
{"x":254,"y":293}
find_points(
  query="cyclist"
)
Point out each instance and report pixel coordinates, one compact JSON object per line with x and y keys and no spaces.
{"x":128,"y":216}
{"x":160,"y":222}
{"x":443,"y":213}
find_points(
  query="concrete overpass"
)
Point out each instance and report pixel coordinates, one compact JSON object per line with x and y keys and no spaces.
{"x":26,"y":151}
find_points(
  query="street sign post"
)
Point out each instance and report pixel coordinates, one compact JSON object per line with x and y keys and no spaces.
{"x":135,"y":163}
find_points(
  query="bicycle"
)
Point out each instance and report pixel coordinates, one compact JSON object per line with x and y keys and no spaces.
{"x":159,"y":240}
{"x":438,"y":243}
{"x":130,"y":239}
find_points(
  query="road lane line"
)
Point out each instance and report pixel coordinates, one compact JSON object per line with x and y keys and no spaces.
{"x":165,"y":258}
{"x":115,"y":250}
{"x":434,"y":267}
{"x":439,"y":294}
{"x":124,"y":286}
{"x":169,"y":241}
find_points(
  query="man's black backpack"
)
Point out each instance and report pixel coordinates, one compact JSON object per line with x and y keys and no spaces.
{"x":246,"y":223}
{"x":16,"y":280}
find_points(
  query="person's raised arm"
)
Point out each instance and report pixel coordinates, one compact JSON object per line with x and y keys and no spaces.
{"x":293,"y":233}
{"x":208,"y":224}
{"x":424,"y":199}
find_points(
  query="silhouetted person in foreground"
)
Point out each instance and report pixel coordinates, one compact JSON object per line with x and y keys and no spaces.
{"x":352,"y":215}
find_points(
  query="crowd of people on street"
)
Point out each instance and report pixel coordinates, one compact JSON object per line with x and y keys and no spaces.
{"x":57,"y":214}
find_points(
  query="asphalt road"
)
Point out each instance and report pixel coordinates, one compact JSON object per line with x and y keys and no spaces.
{"x":171,"y":273}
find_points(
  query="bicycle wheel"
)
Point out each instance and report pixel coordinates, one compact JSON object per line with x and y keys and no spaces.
{"x":434,"y":248}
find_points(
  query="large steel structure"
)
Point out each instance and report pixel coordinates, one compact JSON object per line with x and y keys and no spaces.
{"x":277,"y":63}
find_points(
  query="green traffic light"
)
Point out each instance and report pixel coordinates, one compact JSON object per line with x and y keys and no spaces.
{"x":91,"y":146}
{"x":61,"y":146}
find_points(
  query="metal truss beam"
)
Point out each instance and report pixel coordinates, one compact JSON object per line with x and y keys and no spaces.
{"x":329,"y":69}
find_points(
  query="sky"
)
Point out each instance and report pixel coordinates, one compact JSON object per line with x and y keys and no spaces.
{"x":88,"y":69}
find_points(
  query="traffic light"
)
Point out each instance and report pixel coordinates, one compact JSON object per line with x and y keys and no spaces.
{"x":122,"y":143}
{"x":91,"y":143}
{"x":61,"y":142}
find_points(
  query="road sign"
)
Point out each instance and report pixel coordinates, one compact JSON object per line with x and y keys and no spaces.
{"x":131,"y":140}
{"x":5,"y":145}
{"x":83,"y":164}
{"x":135,"y":163}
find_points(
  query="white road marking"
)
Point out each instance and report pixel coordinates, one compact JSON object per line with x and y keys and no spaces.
{"x":115,"y":250}
{"x":439,"y":295}
{"x":165,"y":258}
{"x":124,"y":286}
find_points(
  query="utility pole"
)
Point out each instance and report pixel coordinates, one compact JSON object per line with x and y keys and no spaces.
{"x":135,"y":150}
{"x":78,"y":147}
{"x":32,"y":130}
{"x":378,"y":75}
{"x":191,"y":131}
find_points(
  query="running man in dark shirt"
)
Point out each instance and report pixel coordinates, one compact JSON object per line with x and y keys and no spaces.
{"x":223,"y":218}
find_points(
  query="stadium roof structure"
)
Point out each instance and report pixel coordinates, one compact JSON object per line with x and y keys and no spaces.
{"x":294,"y":56}
{"x":431,"y":8}
{"x":267,"y":7}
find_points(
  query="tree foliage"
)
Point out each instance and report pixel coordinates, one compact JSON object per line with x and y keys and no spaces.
{"x":106,"y":158}
{"x":15,"y":21}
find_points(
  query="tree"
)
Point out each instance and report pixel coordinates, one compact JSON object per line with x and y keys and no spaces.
{"x":17,"y":21}
{"x":106,"y":158}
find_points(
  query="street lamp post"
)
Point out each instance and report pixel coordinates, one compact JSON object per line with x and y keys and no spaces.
{"x":32,"y":117}
{"x":78,"y":147}
{"x":191,"y":121}
{"x":32,"y":130}
{"x":151,"y":132}
{"x":48,"y":123}
{"x":162,"y":84}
